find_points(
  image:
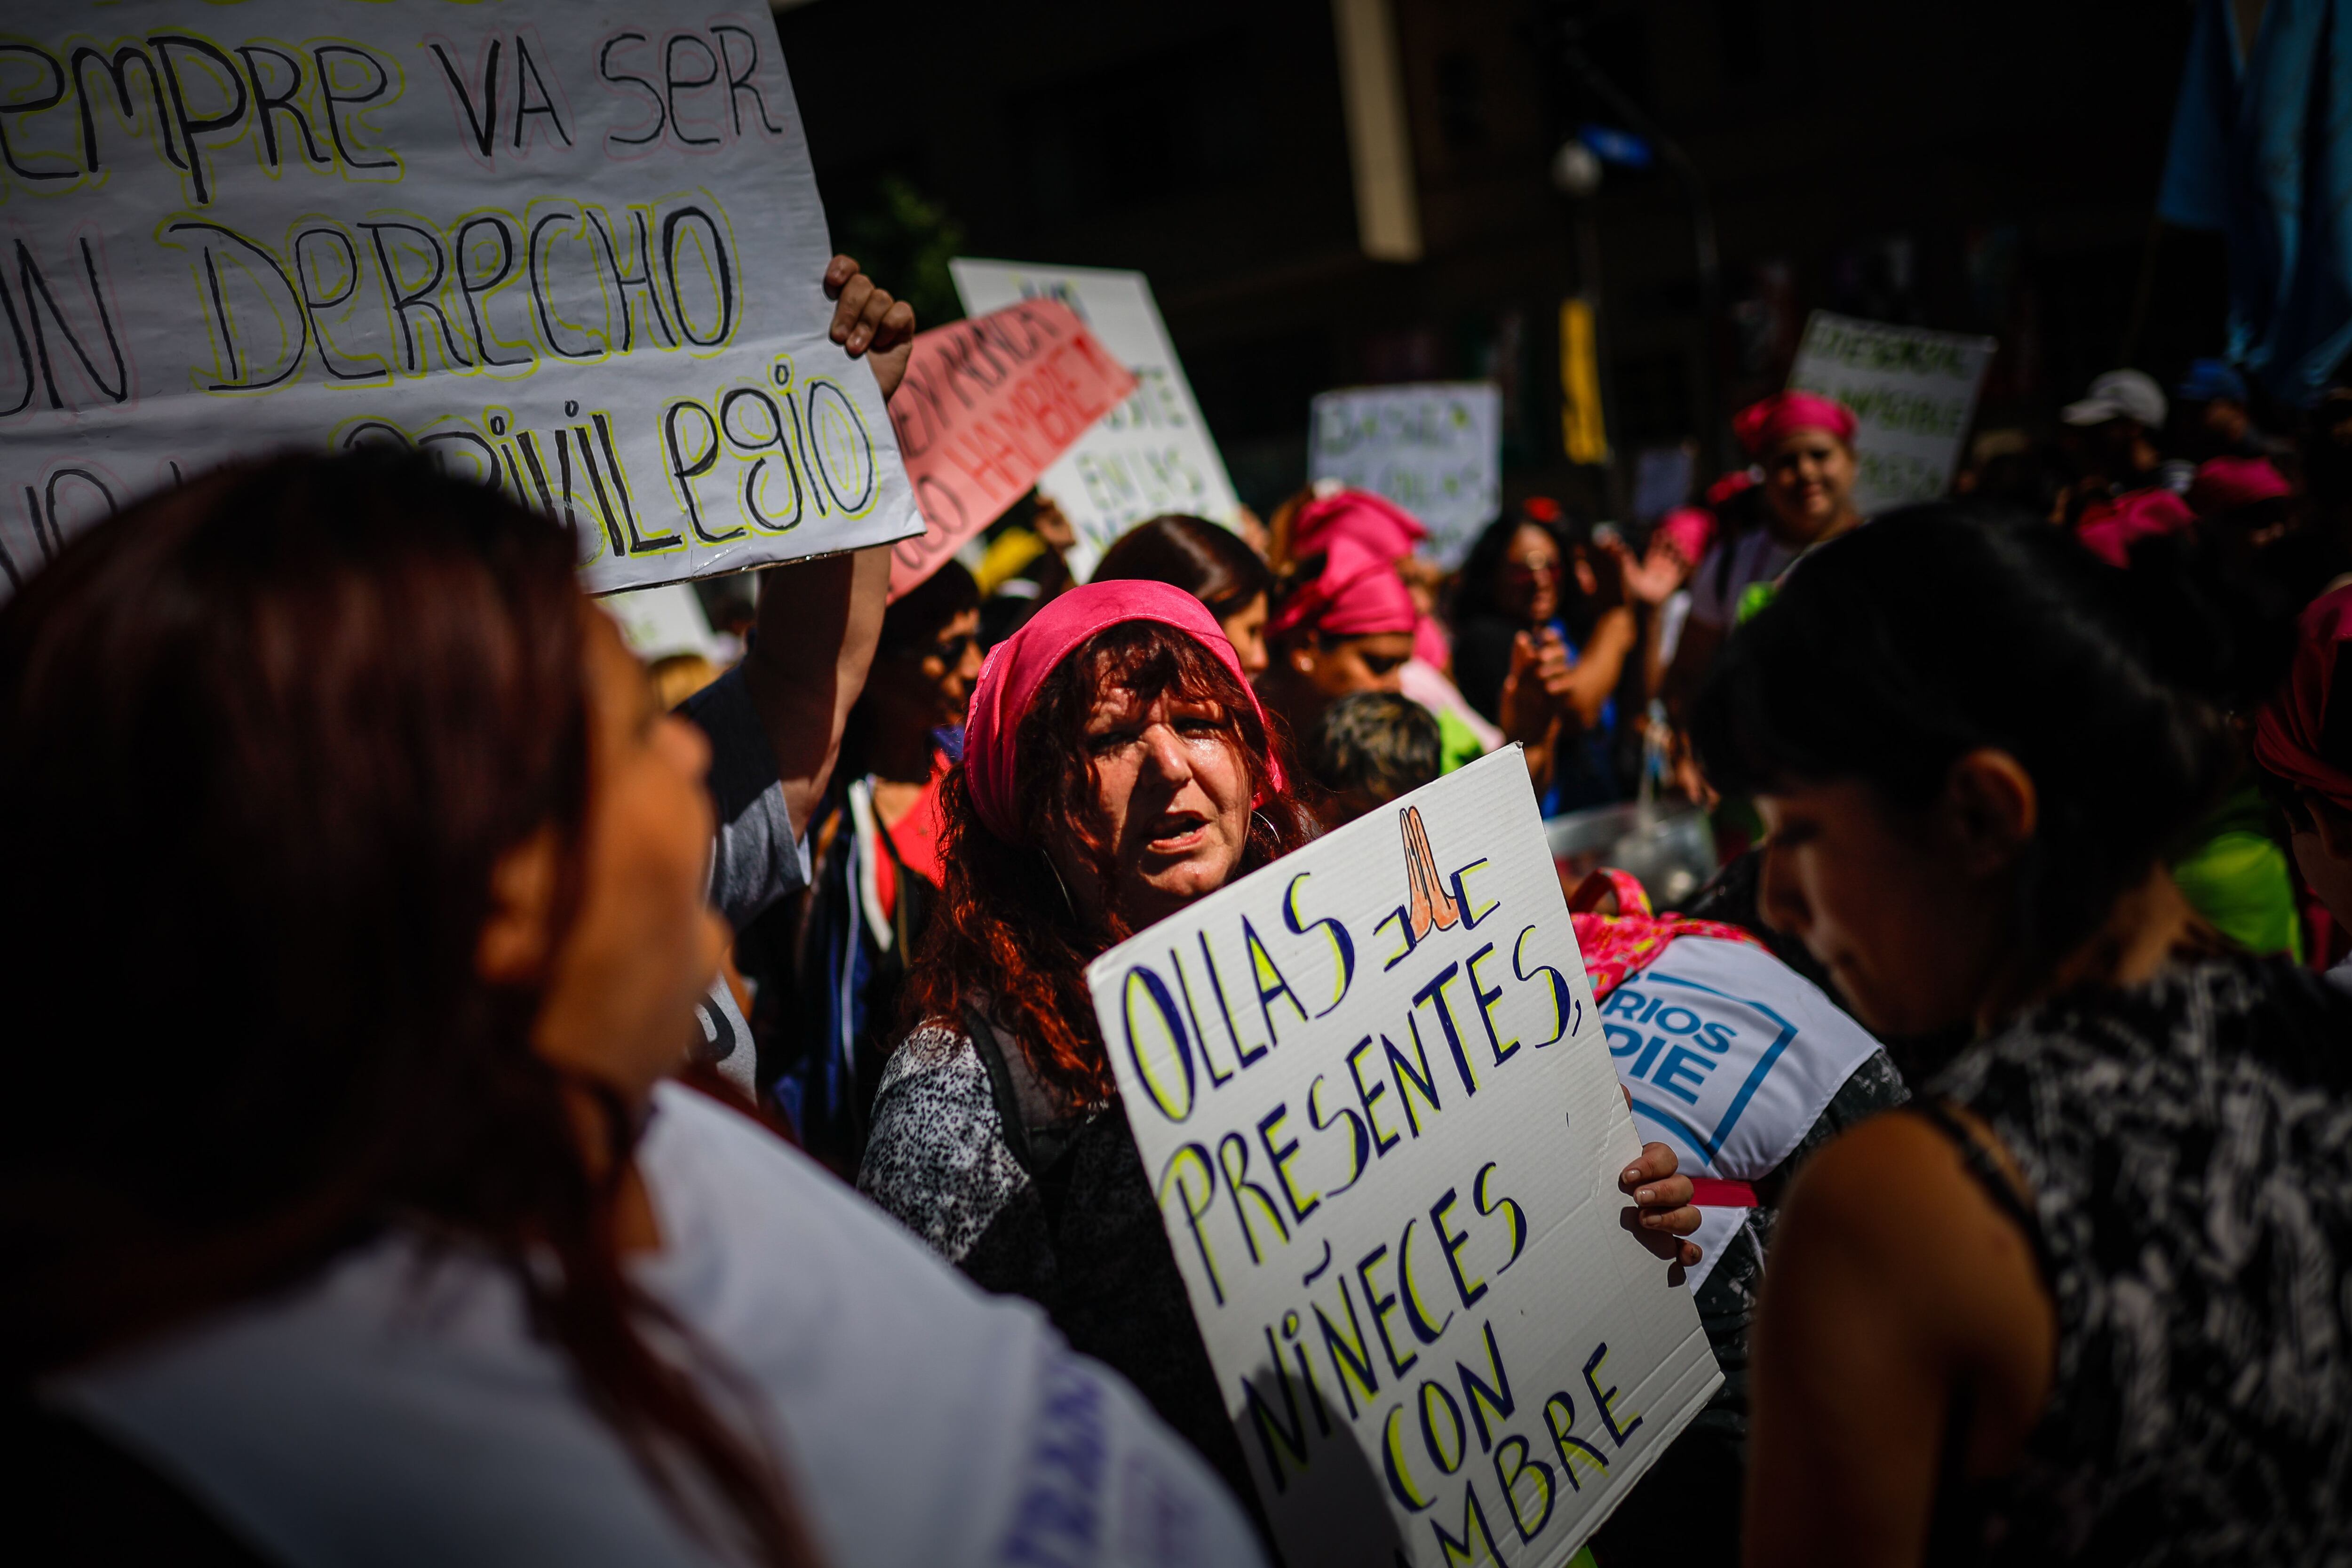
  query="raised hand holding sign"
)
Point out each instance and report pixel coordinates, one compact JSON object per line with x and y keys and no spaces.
{"x":573,"y":249}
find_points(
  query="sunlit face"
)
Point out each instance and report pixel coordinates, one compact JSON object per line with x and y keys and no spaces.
{"x":1912,"y":938}
{"x":1529,"y":588}
{"x":1809,"y":482}
{"x":1343,"y":666}
{"x":643,"y":944}
{"x":1171,"y":800}
{"x":1245,"y":629}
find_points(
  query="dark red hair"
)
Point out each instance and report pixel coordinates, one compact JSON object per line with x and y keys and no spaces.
{"x":1005,"y":937}
{"x":263,"y":740}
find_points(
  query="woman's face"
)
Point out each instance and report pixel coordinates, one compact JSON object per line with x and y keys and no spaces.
{"x":642,"y":942}
{"x":1530,"y":589}
{"x":1245,"y":629}
{"x":1345,"y":666}
{"x":1171,"y":800}
{"x":1911,"y":930}
{"x":1809,"y":482}
{"x":931,"y":686}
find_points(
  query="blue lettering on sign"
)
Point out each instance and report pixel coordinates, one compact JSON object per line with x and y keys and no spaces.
{"x":1673,"y":1051}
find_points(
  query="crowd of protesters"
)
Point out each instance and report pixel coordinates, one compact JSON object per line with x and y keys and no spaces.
{"x":452,"y":1055}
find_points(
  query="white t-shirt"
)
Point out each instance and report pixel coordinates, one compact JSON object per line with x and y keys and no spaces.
{"x":389,"y":1413}
{"x":1730,"y":1055}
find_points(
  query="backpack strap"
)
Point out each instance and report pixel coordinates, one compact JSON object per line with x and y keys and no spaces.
{"x":991,"y":1051}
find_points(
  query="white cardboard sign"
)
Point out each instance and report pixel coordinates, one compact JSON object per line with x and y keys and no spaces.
{"x":1370,"y":1087}
{"x":572,"y":247}
{"x":1912,"y":393}
{"x":1151,"y":454}
{"x":661,"y":621}
{"x":1435,"y":449}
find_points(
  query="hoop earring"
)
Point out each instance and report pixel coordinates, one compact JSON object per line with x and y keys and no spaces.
{"x":1056,"y":872}
{"x":1264,"y":821}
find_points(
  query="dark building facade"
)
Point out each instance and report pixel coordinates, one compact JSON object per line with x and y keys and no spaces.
{"x":1987,"y":166}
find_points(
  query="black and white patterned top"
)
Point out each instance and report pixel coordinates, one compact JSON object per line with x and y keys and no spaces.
{"x":2187,"y":1146}
{"x":1058,"y":1210}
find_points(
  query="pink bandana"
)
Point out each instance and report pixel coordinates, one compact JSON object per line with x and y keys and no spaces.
{"x":1016,"y":666}
{"x":2225,"y":484}
{"x":2288,"y":731}
{"x":1377,"y":523}
{"x":2108,"y":528}
{"x":1761,"y":426}
{"x":1358,"y":595}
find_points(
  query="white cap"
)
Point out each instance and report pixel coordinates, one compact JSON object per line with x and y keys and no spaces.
{"x":2119,"y":394}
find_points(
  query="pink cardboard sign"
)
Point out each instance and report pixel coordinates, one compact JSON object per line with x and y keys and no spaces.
{"x":987,"y":406}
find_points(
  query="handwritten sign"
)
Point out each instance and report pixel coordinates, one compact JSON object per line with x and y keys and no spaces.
{"x":660,"y":621}
{"x":1913,"y":393}
{"x":1434,"y":449}
{"x":570,"y":247}
{"x":987,"y":406}
{"x":1371,"y":1089}
{"x":1152,"y":454}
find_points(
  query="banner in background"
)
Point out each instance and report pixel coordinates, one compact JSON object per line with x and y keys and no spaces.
{"x":570,"y":247}
{"x":1151,"y":454}
{"x":661,"y":621}
{"x":1435,"y":449}
{"x":1371,"y":1090}
{"x":987,"y":406}
{"x":1913,"y":393}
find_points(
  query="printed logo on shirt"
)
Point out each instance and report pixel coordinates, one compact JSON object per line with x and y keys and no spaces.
{"x":1057,"y":1518}
{"x":1691,"y":1057}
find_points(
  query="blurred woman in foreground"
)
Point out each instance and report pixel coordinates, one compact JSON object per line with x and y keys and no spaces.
{"x":368,"y":1228}
{"x":2109,"y":1326}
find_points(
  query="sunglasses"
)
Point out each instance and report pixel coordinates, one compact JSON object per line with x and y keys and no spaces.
{"x":1531,"y":570}
{"x":949,"y":651}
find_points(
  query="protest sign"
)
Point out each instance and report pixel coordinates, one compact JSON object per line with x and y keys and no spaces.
{"x":987,"y":405}
{"x":570,"y":247}
{"x":1151,"y":454}
{"x":1434,"y":449}
{"x":661,"y":621}
{"x":1913,"y":393}
{"x":1371,"y":1088}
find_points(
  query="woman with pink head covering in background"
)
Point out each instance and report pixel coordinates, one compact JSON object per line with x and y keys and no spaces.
{"x":1394,"y":534}
{"x":1803,"y":444}
{"x":1115,"y":768}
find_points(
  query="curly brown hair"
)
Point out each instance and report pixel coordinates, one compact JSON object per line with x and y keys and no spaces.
{"x":1005,"y":938}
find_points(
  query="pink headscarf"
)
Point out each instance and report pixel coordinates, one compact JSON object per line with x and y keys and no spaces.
{"x":1358,"y":595}
{"x":2226,"y":484}
{"x":2110,"y":528}
{"x":1762,"y":426}
{"x":1377,"y":523}
{"x":1016,"y":666}
{"x":1689,"y":529}
{"x":2287,"y":733}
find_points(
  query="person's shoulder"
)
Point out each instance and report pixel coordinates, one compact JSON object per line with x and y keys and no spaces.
{"x":937,"y":1159}
{"x":930,"y":1051}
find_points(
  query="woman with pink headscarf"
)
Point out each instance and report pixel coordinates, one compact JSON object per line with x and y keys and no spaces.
{"x":1805,"y":445}
{"x":1395,"y":535}
{"x":1115,"y":768}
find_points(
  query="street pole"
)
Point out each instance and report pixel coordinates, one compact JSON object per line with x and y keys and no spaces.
{"x":1716,"y":435}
